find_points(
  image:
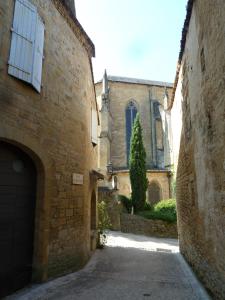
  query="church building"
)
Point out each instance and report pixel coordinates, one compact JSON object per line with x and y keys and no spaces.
{"x":119,"y":100}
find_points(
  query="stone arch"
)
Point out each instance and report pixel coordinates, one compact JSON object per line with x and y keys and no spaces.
{"x":18,"y":184}
{"x":132,"y":102}
{"x":37,"y":154}
{"x":154,"y":192}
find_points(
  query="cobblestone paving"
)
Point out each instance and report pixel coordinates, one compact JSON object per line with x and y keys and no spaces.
{"x":130,"y":267}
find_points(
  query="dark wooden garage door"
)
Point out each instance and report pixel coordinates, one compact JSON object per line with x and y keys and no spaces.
{"x":17,"y":208}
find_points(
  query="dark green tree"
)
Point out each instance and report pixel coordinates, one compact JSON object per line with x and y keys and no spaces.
{"x":137,"y":166}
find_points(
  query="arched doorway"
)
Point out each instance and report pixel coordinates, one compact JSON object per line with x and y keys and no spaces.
{"x":17,"y":213}
{"x":154,"y":193}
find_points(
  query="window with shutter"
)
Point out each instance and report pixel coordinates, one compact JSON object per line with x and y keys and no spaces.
{"x":94,"y":126}
{"x":26,"y":52}
{"x":38,"y":54}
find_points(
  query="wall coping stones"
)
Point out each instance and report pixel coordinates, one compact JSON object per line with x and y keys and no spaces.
{"x":139,"y":225}
{"x":138,"y":81}
{"x":123,"y":170}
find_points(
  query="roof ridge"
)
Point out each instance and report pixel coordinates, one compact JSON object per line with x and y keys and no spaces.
{"x":137,"y":81}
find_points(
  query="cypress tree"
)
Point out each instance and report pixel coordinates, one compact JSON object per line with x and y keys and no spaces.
{"x":137,"y":166}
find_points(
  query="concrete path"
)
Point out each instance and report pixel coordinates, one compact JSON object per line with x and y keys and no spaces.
{"x":131,"y":267}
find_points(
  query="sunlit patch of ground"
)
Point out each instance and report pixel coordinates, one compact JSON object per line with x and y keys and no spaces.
{"x":130,"y":267}
{"x":115,"y":239}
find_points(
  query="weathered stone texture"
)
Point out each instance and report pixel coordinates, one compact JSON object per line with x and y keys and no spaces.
{"x":113,"y":207}
{"x":138,"y":225}
{"x":113,"y":96}
{"x":161,"y":178}
{"x":120,"y":95}
{"x":201,"y":172}
{"x":54,"y":128}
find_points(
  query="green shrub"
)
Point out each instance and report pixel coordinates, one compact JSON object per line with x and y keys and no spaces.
{"x":147,"y":206}
{"x":127,"y":203}
{"x":166,"y":206}
{"x":164,"y":210}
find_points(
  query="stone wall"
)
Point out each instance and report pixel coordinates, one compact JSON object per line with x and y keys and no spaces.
{"x":139,"y":225}
{"x":53,"y":127}
{"x":176,"y":122}
{"x":113,"y":96}
{"x":161,"y":178}
{"x":112,"y":205}
{"x":201,"y":167}
{"x":120,"y":95}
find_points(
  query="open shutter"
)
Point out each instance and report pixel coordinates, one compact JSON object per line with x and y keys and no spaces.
{"x":22,"y":44}
{"x":38,"y":54}
{"x":94,"y":126}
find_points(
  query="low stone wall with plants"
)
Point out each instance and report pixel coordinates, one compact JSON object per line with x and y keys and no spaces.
{"x":139,"y":225}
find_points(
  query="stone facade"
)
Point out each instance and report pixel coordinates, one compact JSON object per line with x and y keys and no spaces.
{"x":200,"y":94}
{"x":139,"y":225}
{"x":150,"y":99}
{"x":160,"y":178}
{"x":54,"y":128}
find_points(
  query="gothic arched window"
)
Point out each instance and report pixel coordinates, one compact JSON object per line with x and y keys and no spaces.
{"x":158,"y":126}
{"x":131,"y":112}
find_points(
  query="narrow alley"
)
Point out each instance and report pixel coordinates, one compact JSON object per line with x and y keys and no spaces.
{"x":129,"y":267}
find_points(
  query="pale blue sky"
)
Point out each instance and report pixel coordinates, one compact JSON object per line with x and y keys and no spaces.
{"x":134,"y":38}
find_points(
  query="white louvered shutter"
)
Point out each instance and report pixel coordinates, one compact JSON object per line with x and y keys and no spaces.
{"x":38,"y":54}
{"x":94,"y":126}
{"x":23,"y":37}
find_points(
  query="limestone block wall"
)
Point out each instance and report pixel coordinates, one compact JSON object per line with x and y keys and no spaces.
{"x":201,"y":172}
{"x":176,"y":122}
{"x":160,"y":178}
{"x":53,"y":127}
{"x":112,"y":129}
{"x":163,"y":181}
{"x":139,"y":225}
{"x":113,"y":206}
{"x":120,"y":95}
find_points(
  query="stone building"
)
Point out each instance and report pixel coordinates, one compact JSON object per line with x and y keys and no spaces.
{"x":119,"y":99}
{"x":199,"y":95}
{"x":48,"y":132}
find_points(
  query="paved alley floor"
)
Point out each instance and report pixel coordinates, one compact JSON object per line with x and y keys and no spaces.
{"x":130,"y":267}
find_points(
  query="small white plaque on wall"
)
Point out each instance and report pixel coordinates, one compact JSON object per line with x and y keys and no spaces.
{"x":78,"y":179}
